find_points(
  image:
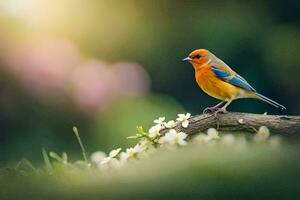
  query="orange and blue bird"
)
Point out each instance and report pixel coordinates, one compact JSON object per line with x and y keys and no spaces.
{"x":218,"y":80}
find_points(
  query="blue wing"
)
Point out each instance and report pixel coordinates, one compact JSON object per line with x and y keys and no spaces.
{"x":239,"y":81}
{"x":232,"y":79}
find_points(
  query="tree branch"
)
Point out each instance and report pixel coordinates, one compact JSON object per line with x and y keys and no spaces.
{"x":243,"y":122}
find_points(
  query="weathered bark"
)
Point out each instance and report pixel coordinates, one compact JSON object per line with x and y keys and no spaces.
{"x":243,"y":122}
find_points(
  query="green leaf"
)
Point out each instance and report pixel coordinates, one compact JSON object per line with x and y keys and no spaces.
{"x":56,"y":156}
{"x":140,"y":129}
{"x":135,"y":136}
{"x":64,"y":157}
{"x":47,"y":161}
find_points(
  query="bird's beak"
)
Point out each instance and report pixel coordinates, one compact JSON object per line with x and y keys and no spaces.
{"x":187,"y":59}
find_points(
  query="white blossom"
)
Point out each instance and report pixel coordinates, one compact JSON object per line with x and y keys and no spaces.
{"x":183,"y":118}
{"x":170,"y":124}
{"x":154,"y":131}
{"x":138,"y":148}
{"x":173,"y":137}
{"x":262,"y":134}
{"x":163,"y":140}
{"x":145,"y":144}
{"x":212,"y":133}
{"x":105,"y":160}
{"x":123,"y":157}
{"x":109,"y":162}
{"x":130,"y":153}
{"x":111,"y":156}
{"x":114,"y":152}
{"x":160,"y":120}
{"x":97,"y":157}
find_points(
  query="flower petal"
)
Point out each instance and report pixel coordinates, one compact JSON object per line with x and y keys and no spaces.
{"x":188,"y":115}
{"x":185,"y":124}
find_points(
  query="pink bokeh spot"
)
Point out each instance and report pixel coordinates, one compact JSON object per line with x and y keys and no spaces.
{"x":132,"y":79}
{"x":52,"y":68}
{"x":93,"y":85}
{"x":42,"y":66}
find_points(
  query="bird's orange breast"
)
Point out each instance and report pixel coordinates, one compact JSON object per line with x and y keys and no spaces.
{"x":214,"y":86}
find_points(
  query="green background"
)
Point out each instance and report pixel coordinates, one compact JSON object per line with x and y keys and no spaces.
{"x":258,"y":39}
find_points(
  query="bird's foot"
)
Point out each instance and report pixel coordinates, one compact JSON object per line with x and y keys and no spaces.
{"x":220,"y":110}
{"x":214,"y":110}
{"x":210,"y":110}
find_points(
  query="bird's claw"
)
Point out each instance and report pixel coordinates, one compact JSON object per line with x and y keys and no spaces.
{"x":214,"y":110}
{"x":210,"y":110}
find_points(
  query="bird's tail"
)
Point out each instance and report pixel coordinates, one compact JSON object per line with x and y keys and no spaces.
{"x":270,"y":101}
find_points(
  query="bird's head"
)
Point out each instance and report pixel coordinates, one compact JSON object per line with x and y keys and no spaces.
{"x":199,"y":57}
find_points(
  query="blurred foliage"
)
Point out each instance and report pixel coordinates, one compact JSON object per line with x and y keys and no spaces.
{"x":242,"y":170}
{"x":118,"y":120}
{"x":44,"y":45}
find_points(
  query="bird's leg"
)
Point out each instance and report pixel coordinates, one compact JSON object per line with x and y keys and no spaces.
{"x":223,"y":109}
{"x":214,"y":108}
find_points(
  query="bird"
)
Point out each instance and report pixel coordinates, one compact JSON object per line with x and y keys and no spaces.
{"x":218,"y":80}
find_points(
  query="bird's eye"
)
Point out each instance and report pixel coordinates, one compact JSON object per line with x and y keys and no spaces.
{"x":198,"y":56}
